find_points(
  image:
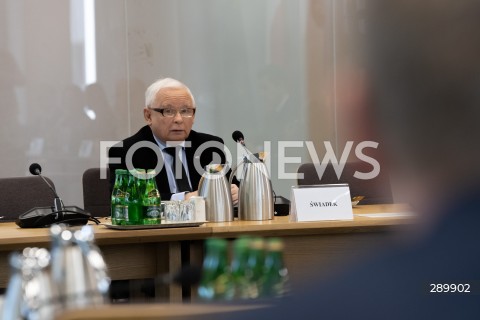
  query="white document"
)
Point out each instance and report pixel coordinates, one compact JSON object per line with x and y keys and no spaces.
{"x":321,"y":202}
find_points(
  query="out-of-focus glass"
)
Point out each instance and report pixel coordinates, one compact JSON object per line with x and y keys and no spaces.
{"x":179,"y":211}
{"x":198,"y":208}
{"x":172,"y":213}
{"x":187,"y":210}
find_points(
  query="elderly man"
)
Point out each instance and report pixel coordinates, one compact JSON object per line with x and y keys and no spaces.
{"x":169,"y":144}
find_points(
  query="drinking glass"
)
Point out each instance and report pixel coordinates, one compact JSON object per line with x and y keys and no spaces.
{"x":171,"y":211}
{"x":187,"y":211}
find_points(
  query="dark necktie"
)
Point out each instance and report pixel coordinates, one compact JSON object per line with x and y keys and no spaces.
{"x":181,"y":182}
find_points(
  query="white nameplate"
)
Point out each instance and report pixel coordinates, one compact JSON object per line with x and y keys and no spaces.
{"x":321,"y":202}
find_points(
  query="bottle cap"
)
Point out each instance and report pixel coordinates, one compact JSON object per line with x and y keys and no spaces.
{"x":242,"y":243}
{"x":216,"y":243}
{"x":275,"y":244}
{"x":138,"y":173}
{"x":257,"y":244}
{"x":151,"y":173}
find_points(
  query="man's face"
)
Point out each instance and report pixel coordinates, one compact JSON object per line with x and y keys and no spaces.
{"x":174,"y":128}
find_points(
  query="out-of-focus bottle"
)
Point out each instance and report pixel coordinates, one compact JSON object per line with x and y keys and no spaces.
{"x":238,"y":282}
{"x":275,"y":281}
{"x":254,"y":271}
{"x":119,"y":210}
{"x":133,"y":200}
{"x":215,"y":277}
{"x":151,"y":200}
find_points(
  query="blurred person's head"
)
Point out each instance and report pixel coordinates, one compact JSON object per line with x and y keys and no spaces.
{"x":169,"y":109}
{"x":424,"y":65}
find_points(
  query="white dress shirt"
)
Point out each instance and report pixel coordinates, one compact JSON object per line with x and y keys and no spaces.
{"x":168,"y":162}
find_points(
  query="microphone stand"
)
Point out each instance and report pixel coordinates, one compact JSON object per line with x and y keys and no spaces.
{"x":57,"y":202}
{"x":44,"y":216}
{"x":248,"y":157}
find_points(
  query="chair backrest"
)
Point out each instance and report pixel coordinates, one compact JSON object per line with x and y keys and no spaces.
{"x":96,"y":192}
{"x":375,"y":191}
{"x":20,"y":194}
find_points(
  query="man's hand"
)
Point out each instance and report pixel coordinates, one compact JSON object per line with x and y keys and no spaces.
{"x":188,"y":195}
{"x":234,"y":190}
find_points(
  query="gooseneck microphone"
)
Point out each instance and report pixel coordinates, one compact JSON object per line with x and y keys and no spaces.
{"x":40,"y":217}
{"x":36,"y":170}
{"x":239,"y":138}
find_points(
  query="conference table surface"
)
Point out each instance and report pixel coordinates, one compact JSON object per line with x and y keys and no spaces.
{"x":13,"y":237}
{"x":155,"y":311}
{"x":137,"y":254}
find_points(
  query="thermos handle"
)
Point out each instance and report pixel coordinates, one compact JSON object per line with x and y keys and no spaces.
{"x":233,"y":173}
{"x":201,"y":182}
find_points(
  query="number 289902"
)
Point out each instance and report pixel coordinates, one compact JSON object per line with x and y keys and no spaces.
{"x":449,"y":287}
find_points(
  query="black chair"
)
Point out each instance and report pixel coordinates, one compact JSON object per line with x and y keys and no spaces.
{"x":96,"y":192}
{"x":20,"y":194}
{"x":375,"y":191}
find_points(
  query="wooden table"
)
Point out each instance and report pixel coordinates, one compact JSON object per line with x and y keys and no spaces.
{"x":319,"y":247}
{"x":154,"y":311}
{"x":129,"y":254}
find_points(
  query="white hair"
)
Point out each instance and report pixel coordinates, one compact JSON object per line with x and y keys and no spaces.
{"x":160,"y":84}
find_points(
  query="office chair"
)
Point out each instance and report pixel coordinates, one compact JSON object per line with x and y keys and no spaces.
{"x":96,"y":192}
{"x":375,"y":191}
{"x":20,"y":194}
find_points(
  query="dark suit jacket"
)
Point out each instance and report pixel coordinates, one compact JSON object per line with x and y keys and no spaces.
{"x":146,"y":158}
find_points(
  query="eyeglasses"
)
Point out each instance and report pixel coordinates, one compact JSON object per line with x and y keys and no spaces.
{"x":170,"y":112}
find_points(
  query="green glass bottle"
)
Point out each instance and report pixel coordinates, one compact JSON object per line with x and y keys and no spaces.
{"x":254,"y":270}
{"x":238,"y":282}
{"x":151,"y":200}
{"x":118,"y":208}
{"x":215,"y":270}
{"x":275,"y":282}
{"x":133,"y":200}
{"x":141,"y":175}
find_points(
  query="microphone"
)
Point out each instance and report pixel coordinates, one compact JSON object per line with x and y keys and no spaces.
{"x":39,"y":217}
{"x":36,"y":170}
{"x":239,"y":138}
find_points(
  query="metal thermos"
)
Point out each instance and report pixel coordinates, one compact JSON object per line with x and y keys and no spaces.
{"x":215,"y":188}
{"x":78,"y":269}
{"x":255,"y":197}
